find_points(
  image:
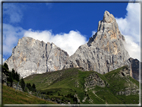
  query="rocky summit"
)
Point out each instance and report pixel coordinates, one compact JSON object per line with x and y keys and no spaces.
{"x":104,"y":51}
{"x":32,"y":56}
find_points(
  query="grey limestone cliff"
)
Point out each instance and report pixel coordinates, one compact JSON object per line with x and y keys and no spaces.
{"x":32,"y":56}
{"x":104,"y":51}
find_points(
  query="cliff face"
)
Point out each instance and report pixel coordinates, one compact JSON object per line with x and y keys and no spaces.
{"x":31,"y":56}
{"x":104,"y":51}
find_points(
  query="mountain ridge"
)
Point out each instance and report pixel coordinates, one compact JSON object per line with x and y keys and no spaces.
{"x":103,"y":52}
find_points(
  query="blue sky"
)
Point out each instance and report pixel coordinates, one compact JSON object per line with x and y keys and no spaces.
{"x":68,"y":25}
{"x":63,"y":17}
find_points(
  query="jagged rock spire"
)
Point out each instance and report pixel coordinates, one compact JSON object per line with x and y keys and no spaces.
{"x":108,"y":18}
{"x":108,"y":23}
{"x":107,"y":28}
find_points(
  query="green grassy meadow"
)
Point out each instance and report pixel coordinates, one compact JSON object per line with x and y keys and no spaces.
{"x":12,"y":96}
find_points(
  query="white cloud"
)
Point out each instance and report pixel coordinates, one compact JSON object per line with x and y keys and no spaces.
{"x":132,"y":47}
{"x":11,"y":35}
{"x":93,"y":33}
{"x":66,"y":41}
{"x":13,"y":12}
{"x":3,"y":59}
{"x":130,"y":26}
{"x":0,"y":59}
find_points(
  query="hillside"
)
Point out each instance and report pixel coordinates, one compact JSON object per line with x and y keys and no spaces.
{"x":12,"y":96}
{"x":87,"y":87}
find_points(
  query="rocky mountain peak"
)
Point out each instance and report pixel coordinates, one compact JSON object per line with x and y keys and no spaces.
{"x":104,"y":51}
{"x":108,"y":18}
{"x":108,"y":23}
{"x":107,"y":30}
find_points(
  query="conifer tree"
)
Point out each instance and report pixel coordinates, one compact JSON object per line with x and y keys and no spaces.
{"x":5,"y":69}
{"x":10,"y":79}
{"x":13,"y":73}
{"x":22,"y":84}
{"x":28,"y":85}
{"x":17,"y":76}
{"x":6,"y":66}
{"x":34,"y":87}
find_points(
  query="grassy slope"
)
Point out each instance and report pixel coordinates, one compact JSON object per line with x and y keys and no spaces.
{"x":12,"y":96}
{"x":72,"y":81}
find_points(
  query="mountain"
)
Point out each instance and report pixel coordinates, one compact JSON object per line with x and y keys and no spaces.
{"x":104,"y":51}
{"x":75,"y":86}
{"x":32,"y":56}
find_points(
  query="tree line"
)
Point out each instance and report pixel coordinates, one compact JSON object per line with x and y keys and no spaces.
{"x":13,"y":76}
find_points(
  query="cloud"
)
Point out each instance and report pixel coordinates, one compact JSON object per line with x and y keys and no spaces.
{"x":93,"y":33}
{"x":12,"y":13}
{"x":130,"y":28}
{"x":11,"y":35}
{"x":132,"y":47}
{"x":0,"y":59}
{"x":66,"y":41}
{"x":3,"y":59}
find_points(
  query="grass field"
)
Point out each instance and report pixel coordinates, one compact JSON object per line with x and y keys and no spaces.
{"x":12,"y":96}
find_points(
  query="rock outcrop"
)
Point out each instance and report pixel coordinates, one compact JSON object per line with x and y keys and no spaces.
{"x":104,"y":51}
{"x":135,"y":68}
{"x":126,"y":71}
{"x":128,"y":91}
{"x":17,"y":86}
{"x":32,"y":56}
{"x":92,"y":80}
{"x":130,"y":87}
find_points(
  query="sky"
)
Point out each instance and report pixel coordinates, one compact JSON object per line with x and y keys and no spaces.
{"x":67,"y":25}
